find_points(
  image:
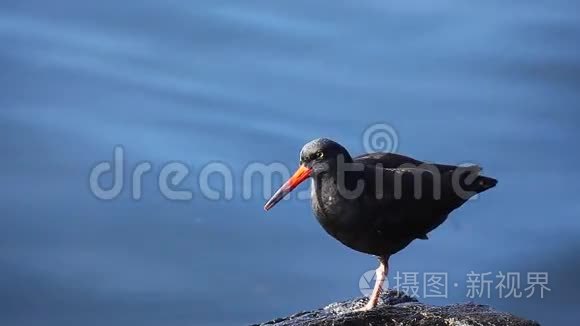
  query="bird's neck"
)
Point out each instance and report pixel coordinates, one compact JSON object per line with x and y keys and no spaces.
{"x":335,"y":182}
{"x":333,"y":206}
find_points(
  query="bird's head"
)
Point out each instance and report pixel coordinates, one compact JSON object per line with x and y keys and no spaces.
{"x":318,"y":156}
{"x":322,"y":155}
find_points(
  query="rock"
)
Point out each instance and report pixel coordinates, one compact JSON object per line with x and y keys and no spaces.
{"x":400,"y":309}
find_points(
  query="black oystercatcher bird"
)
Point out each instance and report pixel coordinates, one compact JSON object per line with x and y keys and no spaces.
{"x":378,"y":203}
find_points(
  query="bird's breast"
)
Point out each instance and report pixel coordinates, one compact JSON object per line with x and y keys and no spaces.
{"x":326,"y":200}
{"x":336,"y":214}
{"x":343,"y":219}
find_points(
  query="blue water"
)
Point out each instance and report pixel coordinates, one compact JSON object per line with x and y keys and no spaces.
{"x":494,"y":83}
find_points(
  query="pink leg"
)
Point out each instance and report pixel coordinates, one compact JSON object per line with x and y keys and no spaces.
{"x":382,"y":272}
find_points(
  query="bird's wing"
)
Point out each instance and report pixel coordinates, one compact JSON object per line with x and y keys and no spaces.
{"x":410,"y":202}
{"x":394,"y":161}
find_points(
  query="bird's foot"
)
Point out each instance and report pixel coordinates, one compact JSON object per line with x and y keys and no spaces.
{"x":376,"y":294}
{"x":366,"y":307}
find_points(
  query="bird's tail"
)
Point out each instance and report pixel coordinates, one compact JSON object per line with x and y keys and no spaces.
{"x":470,"y":179}
{"x":484,"y":183}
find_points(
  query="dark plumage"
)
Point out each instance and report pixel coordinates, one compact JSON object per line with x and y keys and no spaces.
{"x":379,"y":203}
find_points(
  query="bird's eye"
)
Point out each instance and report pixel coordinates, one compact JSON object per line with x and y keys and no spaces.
{"x":319,"y":155}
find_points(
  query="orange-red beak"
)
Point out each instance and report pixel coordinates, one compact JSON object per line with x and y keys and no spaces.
{"x":300,"y":175}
